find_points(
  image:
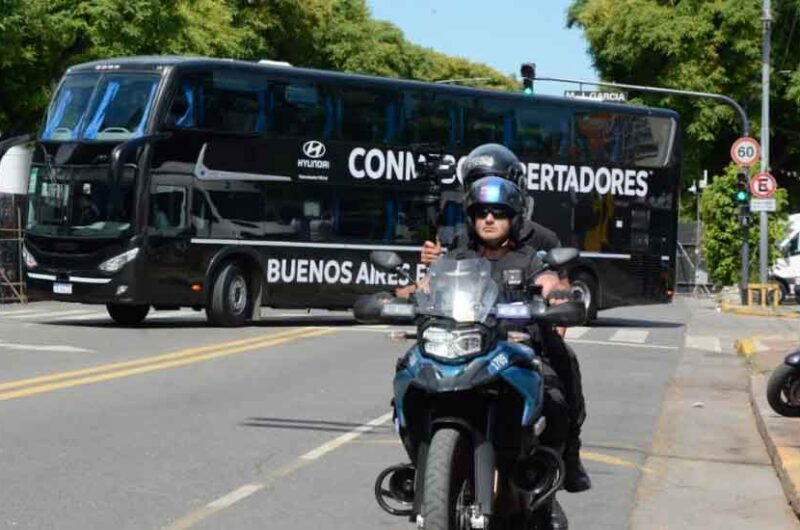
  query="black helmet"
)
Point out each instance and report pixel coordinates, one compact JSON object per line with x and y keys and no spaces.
{"x":491,"y":159}
{"x":497,"y":191}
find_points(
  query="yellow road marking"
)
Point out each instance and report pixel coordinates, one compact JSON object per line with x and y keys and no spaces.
{"x":146,"y":360}
{"x":158,"y":362}
{"x":613,"y":461}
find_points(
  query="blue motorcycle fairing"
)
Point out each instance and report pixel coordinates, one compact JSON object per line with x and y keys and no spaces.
{"x":510,"y":361}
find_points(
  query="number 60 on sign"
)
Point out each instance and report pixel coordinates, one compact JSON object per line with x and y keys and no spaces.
{"x":745,"y":151}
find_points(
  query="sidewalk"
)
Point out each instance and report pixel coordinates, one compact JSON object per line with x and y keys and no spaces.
{"x":710,"y":468}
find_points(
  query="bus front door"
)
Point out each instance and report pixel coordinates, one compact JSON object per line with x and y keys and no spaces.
{"x":168,"y":236}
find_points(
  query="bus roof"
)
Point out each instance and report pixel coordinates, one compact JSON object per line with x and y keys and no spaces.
{"x":161,"y":63}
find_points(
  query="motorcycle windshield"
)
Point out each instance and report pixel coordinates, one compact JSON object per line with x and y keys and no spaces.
{"x":462,"y":290}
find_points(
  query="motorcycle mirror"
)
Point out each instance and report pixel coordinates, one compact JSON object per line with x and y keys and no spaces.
{"x":566,"y":314}
{"x":386,"y":261}
{"x":558,"y":257}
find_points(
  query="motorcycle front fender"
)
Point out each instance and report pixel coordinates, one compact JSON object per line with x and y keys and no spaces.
{"x":793,"y":359}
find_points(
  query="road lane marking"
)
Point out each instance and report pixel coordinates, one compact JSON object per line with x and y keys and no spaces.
{"x":706,"y":343}
{"x":137,"y":362}
{"x":44,"y":347}
{"x":613,"y":461}
{"x":160,"y":362}
{"x":630,"y":335}
{"x":346,"y":438}
{"x":239,"y":494}
{"x":235,"y":496}
{"x":625,"y":344}
{"x":21,"y":312}
{"x":577,"y":332}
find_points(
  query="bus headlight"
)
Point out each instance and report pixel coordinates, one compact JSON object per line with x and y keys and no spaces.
{"x":452,"y":344}
{"x":30,"y":261}
{"x":117,"y":262}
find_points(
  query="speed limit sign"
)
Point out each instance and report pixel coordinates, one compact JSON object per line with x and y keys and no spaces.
{"x":745,"y":152}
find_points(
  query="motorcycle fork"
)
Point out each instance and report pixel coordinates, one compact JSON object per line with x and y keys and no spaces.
{"x":485,"y":471}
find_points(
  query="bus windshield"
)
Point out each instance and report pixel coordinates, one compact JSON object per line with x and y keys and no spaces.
{"x":79,"y":202}
{"x":105,"y":107}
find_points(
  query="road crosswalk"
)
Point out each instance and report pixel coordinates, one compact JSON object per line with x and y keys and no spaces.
{"x":627,"y":337}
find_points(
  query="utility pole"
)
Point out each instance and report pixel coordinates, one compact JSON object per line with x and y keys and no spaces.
{"x":763,"y":252}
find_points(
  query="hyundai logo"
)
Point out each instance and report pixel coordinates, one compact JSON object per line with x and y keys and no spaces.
{"x":314,"y":149}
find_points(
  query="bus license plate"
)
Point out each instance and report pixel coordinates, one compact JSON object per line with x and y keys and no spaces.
{"x":62,"y":288}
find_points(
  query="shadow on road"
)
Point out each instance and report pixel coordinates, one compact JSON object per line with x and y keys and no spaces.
{"x":311,"y":425}
{"x":200,"y":322}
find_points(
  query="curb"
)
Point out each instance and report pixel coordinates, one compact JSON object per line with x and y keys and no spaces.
{"x":756,"y":312}
{"x":783,"y":453}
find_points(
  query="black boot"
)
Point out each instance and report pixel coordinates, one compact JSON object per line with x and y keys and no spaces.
{"x":558,"y":519}
{"x":576,"y":479}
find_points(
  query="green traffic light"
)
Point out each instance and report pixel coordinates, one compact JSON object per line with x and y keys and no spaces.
{"x":741,"y":196}
{"x":528,"y":91}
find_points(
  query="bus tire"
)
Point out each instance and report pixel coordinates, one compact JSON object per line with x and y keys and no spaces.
{"x":585,"y":284}
{"x":230,"y":297}
{"x":128,"y":315}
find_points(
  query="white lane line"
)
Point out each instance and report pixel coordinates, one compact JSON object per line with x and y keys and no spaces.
{"x":43,"y":347}
{"x":626,"y":345}
{"x":705,"y":343}
{"x":27,"y":314}
{"x":192,"y":519}
{"x":577,"y":332}
{"x":346,"y":438}
{"x":235,"y":496}
{"x":20,"y":312}
{"x":638,"y":336}
{"x":57,"y":314}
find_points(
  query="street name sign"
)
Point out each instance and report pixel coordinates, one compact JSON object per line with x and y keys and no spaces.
{"x":597,"y":95}
{"x":762,"y":205}
{"x":763,"y":185}
{"x":745,"y":151}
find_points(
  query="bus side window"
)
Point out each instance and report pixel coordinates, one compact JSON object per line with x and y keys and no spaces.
{"x":168,"y":207}
{"x":541,"y":132}
{"x":484,"y":122}
{"x":365,"y":116}
{"x":429,"y":119}
{"x":301,"y":110}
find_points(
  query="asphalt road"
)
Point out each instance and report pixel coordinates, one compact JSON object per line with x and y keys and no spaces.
{"x":282,"y":424}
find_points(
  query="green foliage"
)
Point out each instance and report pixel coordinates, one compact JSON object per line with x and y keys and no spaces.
{"x":41,"y":38}
{"x":722,"y":233}
{"x":708,"y":46}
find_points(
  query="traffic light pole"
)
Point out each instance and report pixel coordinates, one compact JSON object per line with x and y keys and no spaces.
{"x":745,"y":132}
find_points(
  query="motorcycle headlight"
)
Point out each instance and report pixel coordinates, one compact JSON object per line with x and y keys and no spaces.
{"x":30,"y":261}
{"x":452,"y":344}
{"x":117,"y":262}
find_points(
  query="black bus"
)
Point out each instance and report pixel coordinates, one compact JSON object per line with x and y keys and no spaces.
{"x":172,"y":182}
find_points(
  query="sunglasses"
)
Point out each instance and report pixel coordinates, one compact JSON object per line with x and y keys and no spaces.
{"x":497,"y":212}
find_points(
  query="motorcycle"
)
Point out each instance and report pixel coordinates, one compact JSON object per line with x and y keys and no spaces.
{"x":783,"y":388}
{"x":469,"y":401}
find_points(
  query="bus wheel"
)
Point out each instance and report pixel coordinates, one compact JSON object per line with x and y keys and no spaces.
{"x":585,"y":284}
{"x":128,"y":315}
{"x":230,"y":298}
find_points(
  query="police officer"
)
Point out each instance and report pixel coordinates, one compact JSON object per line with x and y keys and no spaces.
{"x":498,"y":229}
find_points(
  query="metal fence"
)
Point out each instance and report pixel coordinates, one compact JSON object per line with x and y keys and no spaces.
{"x":12,"y":283}
{"x":692,"y":277}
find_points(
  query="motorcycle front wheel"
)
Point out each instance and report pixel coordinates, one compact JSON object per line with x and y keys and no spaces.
{"x":449,"y":489}
{"x":783,"y":391}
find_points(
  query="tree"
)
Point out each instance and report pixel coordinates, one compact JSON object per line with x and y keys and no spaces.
{"x":722,"y":233}
{"x":710,"y":47}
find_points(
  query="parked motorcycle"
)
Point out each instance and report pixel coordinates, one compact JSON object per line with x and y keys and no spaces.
{"x":783,"y":388}
{"x":469,"y":401}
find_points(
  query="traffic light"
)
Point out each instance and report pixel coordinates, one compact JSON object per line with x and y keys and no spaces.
{"x":528,"y":74}
{"x":742,"y":195}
